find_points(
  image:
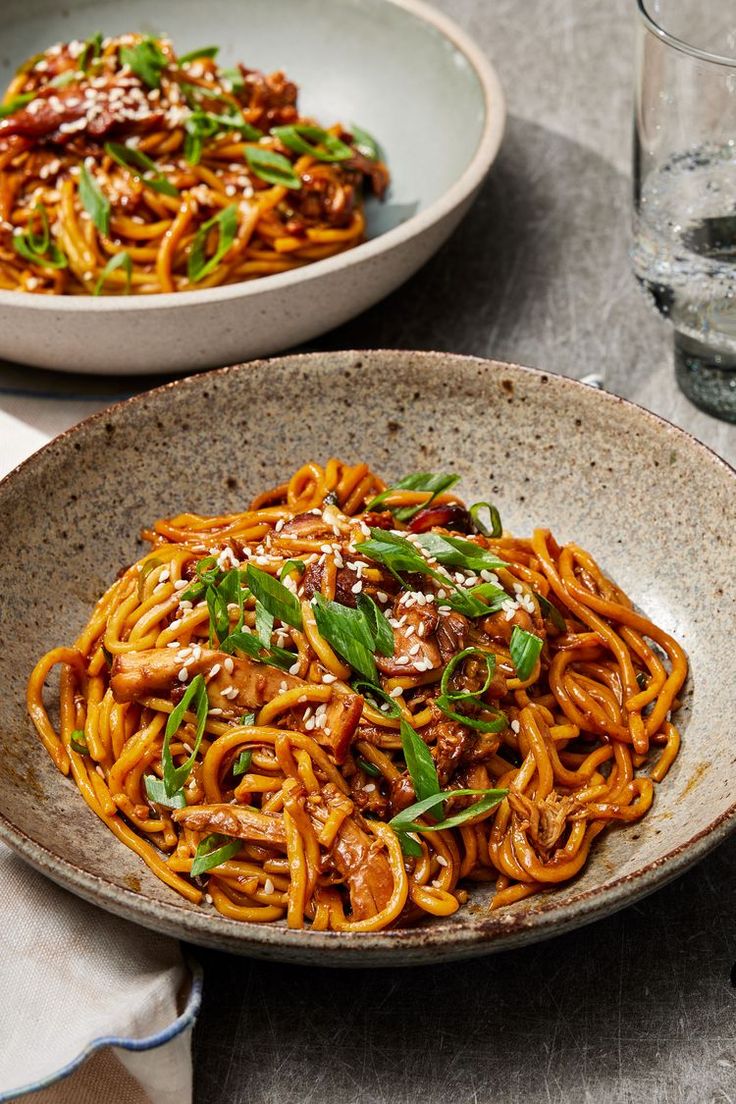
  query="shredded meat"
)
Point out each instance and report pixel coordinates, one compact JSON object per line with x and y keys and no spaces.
{"x":271,"y":98}
{"x":452,"y":634}
{"x":367,"y":796}
{"x":361,"y":861}
{"x":401,"y":793}
{"x":344,"y":582}
{"x":452,"y":742}
{"x":233,"y":820}
{"x":545,"y":820}
{"x":499,"y":628}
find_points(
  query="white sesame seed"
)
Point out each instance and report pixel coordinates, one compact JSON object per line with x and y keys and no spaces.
{"x":283,"y":687}
{"x":414,"y":649}
{"x":396,"y":692}
{"x":370,"y":788}
{"x":382,"y":596}
{"x":356,"y":589}
{"x":216,"y":712}
{"x":328,"y":678}
{"x":228,"y":664}
{"x":279,"y":525}
{"x":173,"y":644}
{"x":183,"y":675}
{"x":402,"y":660}
{"x":208,"y":898}
{"x":421,"y":629}
{"x":215,"y":670}
{"x":294,"y":669}
{"x":515,"y":726}
{"x":268,"y":886}
{"x":442,"y":860}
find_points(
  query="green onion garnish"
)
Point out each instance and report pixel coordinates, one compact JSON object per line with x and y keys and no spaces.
{"x":369,"y":768}
{"x":349,"y":633}
{"x":118,"y":260}
{"x":291,"y":566}
{"x":551,"y":612}
{"x":524,"y":648}
{"x":365,"y":143}
{"x":312,"y":140}
{"x":142,"y":167}
{"x":78,"y":741}
{"x":494,"y":527}
{"x":95,"y":203}
{"x":200,"y":52}
{"x":146,"y":60}
{"x":378,"y":626}
{"x":226,"y":221}
{"x":15,"y":104}
{"x":274,"y":596}
{"x":39,"y":249}
{"x":430,"y":482}
{"x":272,"y":167}
{"x":156,"y":791}
{"x":196,"y":697}
{"x":234,"y":77}
{"x":377,"y":697}
{"x":242,"y":763}
{"x":203,"y":124}
{"x":264,"y":624}
{"x":406,"y":821}
{"x":92,"y":49}
{"x":449,"y":700}
{"x":458,"y":552}
{"x":251,"y":646}
{"x":212,"y":851}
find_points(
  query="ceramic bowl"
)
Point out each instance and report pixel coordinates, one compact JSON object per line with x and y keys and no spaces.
{"x":397,"y":67}
{"x":548,"y":450}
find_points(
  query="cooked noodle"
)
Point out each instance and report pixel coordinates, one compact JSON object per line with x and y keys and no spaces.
{"x":126,"y":169}
{"x":557,"y":744}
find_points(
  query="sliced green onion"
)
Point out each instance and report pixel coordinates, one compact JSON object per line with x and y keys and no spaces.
{"x":95,"y":203}
{"x":494,"y":527}
{"x":146,"y":60}
{"x":250,"y":645}
{"x":550,"y":612}
{"x":142,"y":167}
{"x":235,"y":78}
{"x":118,"y":260}
{"x":156,"y":791}
{"x":379,"y":628}
{"x":264,"y":624}
{"x":466,"y":695}
{"x":274,"y":596}
{"x":458,"y":552}
{"x":147,"y":567}
{"x":272,"y":167}
{"x":226,"y":221}
{"x":247,"y":719}
{"x":348,"y":632}
{"x":39,"y":249}
{"x":196,"y":697}
{"x":406,"y":821}
{"x":203,"y":124}
{"x":200,"y":52}
{"x":78,"y":741}
{"x":291,"y":566}
{"x":498,"y":724}
{"x":312,"y":140}
{"x":242,"y":763}
{"x":63,"y":79}
{"x":15,"y":104}
{"x":92,"y":49}
{"x":365,"y":143}
{"x":524,"y":648}
{"x":419,"y":763}
{"x":378,"y":697}
{"x":431,"y":482}
{"x":369,"y":768}
{"x":212,"y":851}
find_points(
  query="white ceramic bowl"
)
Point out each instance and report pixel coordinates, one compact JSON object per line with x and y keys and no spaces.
{"x":397,"y":67}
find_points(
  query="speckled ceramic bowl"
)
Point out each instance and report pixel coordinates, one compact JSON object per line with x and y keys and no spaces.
{"x":399,"y":68}
{"x":652,"y":505}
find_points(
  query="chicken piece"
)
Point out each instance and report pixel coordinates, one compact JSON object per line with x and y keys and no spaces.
{"x":271,"y":98}
{"x":345,"y":580}
{"x":365,"y":792}
{"x":401,"y":793}
{"x":307,"y":526}
{"x":139,"y":674}
{"x":499,"y":628}
{"x":415,"y":648}
{"x":545,"y":820}
{"x":452,"y":743}
{"x":239,"y":821}
{"x":361,"y":861}
{"x":43,"y":117}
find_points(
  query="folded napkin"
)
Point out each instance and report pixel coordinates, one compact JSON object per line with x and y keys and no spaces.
{"x":94,"y":1010}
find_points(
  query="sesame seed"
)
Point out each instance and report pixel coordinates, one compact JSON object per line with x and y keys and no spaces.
{"x":180,"y":584}
{"x":356,"y":588}
{"x":183,"y":675}
{"x":173,"y":644}
{"x":215,"y":670}
{"x":279,"y":525}
{"x":268,"y":886}
{"x":396,"y":692}
{"x":410,"y":631}
{"x":283,"y":687}
{"x":414,"y":649}
{"x":515,"y":726}
{"x":328,"y":678}
{"x":294,"y":669}
{"x":421,"y":629}
{"x":382,"y":596}
{"x":208,"y":898}
{"x":216,"y":712}
{"x":370,"y":788}
{"x":400,"y":661}
{"x":228,"y":664}
{"x":442,"y":860}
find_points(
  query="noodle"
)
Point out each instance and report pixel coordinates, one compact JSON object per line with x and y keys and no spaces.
{"x":124,"y":169}
{"x":334,"y":712}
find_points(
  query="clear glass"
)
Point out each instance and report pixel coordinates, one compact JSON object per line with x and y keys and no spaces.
{"x":685,"y":187}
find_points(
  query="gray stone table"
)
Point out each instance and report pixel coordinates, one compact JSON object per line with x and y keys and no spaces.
{"x":639,"y":1007}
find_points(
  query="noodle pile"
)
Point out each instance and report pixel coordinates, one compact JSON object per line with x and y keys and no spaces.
{"x":345,"y":704}
{"x":124,"y":168}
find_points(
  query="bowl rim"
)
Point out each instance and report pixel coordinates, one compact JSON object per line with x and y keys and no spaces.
{"x":494,"y":122}
{"x":443,"y":940}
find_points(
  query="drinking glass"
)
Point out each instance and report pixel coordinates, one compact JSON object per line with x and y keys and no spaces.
{"x":685,"y":187}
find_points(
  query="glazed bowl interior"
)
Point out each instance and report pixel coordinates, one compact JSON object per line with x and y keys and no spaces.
{"x":549,"y":451}
{"x":398,"y":68}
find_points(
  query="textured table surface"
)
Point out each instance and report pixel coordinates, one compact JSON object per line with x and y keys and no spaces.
{"x":636,"y":1008}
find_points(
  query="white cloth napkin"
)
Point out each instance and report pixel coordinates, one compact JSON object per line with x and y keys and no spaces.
{"x":94,"y":1010}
